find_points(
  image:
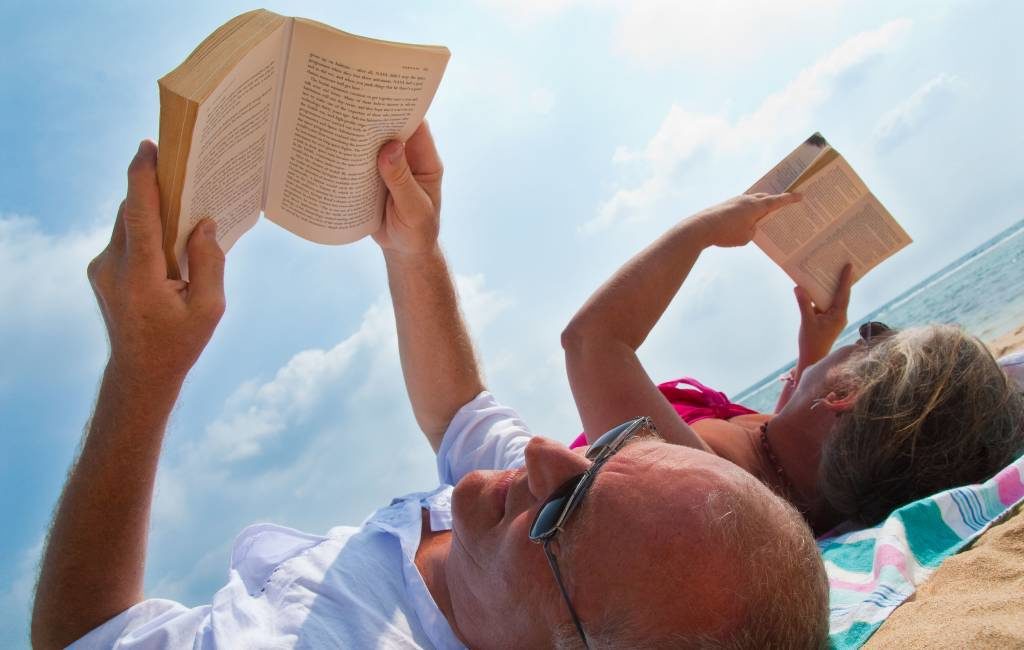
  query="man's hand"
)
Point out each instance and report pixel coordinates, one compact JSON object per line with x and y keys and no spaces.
{"x":157,"y":327}
{"x":733,"y":222}
{"x":95,"y":554}
{"x":438,"y":363}
{"x":412,"y":214}
{"x":819,"y":329}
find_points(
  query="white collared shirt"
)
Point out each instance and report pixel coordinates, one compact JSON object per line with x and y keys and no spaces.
{"x":355,"y":587}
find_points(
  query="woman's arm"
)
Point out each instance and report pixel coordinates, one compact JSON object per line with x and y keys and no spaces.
{"x":819,"y":330}
{"x":608,"y":382}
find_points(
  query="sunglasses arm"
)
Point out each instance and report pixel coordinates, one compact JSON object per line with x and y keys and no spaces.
{"x":565,"y":594}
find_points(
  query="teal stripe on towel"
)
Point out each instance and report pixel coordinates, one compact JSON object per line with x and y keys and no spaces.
{"x":854,"y":637}
{"x":928,"y":536}
{"x":855,"y":556}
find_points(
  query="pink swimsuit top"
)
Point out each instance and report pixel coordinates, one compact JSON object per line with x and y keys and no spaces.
{"x":698,"y":402}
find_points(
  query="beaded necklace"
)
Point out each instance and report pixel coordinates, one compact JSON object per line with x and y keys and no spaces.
{"x":776,"y":465}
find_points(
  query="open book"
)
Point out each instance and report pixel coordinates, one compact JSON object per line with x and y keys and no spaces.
{"x":839,"y":221}
{"x":285,"y":115}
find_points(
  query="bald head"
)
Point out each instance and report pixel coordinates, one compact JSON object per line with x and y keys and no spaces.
{"x":703,"y":563}
{"x":670,"y":547}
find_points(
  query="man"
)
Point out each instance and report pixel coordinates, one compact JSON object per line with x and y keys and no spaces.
{"x":642,"y":543}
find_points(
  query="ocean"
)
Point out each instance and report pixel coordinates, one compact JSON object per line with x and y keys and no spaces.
{"x":983,"y":291}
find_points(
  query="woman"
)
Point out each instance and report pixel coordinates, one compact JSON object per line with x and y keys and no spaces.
{"x":858,"y":431}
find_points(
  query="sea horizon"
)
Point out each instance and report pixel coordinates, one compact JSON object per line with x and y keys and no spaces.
{"x":949,"y":295}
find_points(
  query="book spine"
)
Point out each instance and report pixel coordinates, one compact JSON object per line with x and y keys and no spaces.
{"x":177,"y":121}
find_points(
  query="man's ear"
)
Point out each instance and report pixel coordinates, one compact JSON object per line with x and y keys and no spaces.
{"x":839,"y":404}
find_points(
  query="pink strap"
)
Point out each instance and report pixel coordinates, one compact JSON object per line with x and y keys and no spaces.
{"x":691,"y":405}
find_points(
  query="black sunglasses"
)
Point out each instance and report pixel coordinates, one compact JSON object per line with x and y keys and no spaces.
{"x":563,"y":502}
{"x":872,"y":329}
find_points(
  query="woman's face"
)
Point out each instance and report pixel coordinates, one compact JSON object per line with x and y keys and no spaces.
{"x":817,"y":380}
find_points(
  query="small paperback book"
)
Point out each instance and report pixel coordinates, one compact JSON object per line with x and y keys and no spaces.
{"x":839,"y":221}
{"x":285,"y":116}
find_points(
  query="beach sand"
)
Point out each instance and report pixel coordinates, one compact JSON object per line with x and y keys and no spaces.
{"x":1009,"y":343}
{"x":972,"y":600}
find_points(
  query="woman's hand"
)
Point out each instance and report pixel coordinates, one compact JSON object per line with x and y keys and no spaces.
{"x":733,"y":222}
{"x":819,"y":329}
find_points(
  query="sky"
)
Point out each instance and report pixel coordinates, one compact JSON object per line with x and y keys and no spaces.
{"x":573,"y":133}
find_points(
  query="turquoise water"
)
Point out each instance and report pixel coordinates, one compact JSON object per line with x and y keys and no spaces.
{"x":983,"y":291}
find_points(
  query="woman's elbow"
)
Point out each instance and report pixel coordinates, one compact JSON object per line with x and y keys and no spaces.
{"x":572,"y":337}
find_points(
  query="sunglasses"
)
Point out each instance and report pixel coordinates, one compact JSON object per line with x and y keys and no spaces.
{"x":873,"y":329}
{"x":566,"y":499}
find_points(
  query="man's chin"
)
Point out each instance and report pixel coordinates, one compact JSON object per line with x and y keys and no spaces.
{"x":473,"y":508}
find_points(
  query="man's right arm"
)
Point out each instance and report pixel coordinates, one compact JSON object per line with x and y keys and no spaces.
{"x":438,"y":362}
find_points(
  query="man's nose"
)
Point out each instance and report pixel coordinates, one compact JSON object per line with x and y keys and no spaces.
{"x":549,"y":464}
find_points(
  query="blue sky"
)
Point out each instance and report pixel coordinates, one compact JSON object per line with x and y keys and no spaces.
{"x":573,"y":133}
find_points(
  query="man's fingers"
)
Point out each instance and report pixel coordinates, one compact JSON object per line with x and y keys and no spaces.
{"x":421,"y":152}
{"x":394,"y":168}
{"x":142,"y":206}
{"x":841,"y":300}
{"x":206,"y":270}
{"x":117,"y":237}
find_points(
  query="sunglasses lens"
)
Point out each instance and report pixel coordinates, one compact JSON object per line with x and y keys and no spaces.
{"x":547,"y":517}
{"x":872,"y":329}
{"x":608,"y":438}
{"x":554,"y":510}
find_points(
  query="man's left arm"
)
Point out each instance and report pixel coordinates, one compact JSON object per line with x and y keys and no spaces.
{"x":93,"y":564}
{"x":438,"y":362}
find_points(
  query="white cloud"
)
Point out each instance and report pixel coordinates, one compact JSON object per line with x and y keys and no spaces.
{"x":502,"y":89}
{"x":655,"y":32}
{"x":725,"y":31}
{"x":257,"y":412}
{"x":43,"y":288}
{"x":910,"y":114}
{"x":783,"y":115}
{"x":529,"y":11}
{"x":16,"y":598}
{"x":541,"y":100}
{"x":480,"y":305}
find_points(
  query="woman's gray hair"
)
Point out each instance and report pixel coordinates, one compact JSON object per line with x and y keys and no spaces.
{"x":932,"y":410}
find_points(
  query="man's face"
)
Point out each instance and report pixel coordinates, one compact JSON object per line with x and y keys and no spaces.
{"x":621,"y":548}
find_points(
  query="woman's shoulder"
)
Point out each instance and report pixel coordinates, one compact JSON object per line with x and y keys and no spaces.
{"x":734,"y":439}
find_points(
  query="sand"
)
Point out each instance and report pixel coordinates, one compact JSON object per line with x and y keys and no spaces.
{"x":972,"y":601}
{"x":1009,"y":343}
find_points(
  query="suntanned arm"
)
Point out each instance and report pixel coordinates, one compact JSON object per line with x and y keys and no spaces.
{"x":94,"y":560}
{"x":819,"y":329}
{"x":438,"y":362}
{"x":608,"y":382}
{"x":93,"y":564}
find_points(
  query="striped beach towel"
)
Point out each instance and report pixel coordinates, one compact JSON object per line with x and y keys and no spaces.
{"x":872,"y":571}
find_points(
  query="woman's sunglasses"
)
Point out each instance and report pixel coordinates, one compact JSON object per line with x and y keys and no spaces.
{"x":873,"y":329}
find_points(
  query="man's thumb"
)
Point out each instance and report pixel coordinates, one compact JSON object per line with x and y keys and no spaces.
{"x":206,"y":268}
{"x":394,"y":169}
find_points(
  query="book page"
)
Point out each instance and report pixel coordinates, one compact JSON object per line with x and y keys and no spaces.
{"x":783,"y":174}
{"x":839,"y":221}
{"x":865,"y":236}
{"x":344,"y":96}
{"x":827,"y":195}
{"x":227,"y":163}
